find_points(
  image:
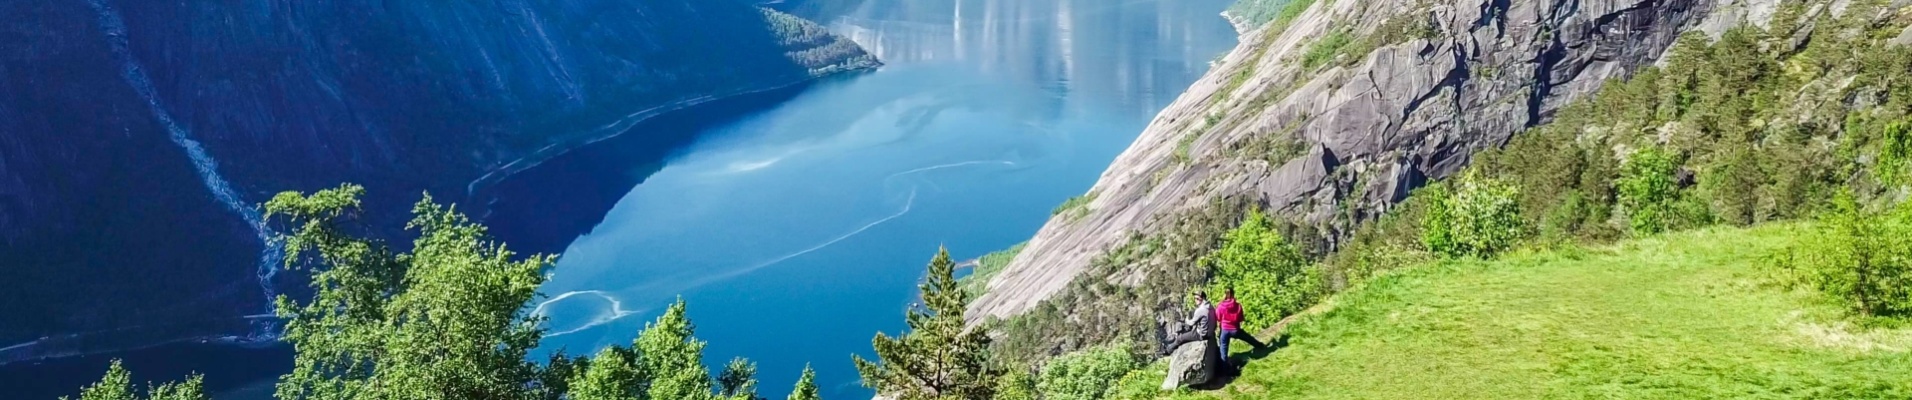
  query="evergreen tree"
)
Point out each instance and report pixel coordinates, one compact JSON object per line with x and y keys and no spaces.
{"x":613,"y":375}
{"x":938,"y":358}
{"x":806,"y":386}
{"x":673,"y":358}
{"x":739,"y":380}
{"x":118,"y":385}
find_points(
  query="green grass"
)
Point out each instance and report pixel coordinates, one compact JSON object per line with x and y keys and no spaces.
{"x":1075,"y":207}
{"x":1325,"y":49}
{"x":1680,"y":316}
{"x":988,"y":267}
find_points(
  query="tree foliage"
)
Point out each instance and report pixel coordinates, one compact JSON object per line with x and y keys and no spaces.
{"x":1087,"y":374}
{"x":1648,"y":190}
{"x":806,"y":388}
{"x":118,"y":385}
{"x":444,"y":321}
{"x":1472,"y":216}
{"x":613,"y":375}
{"x":674,"y":358}
{"x":447,"y":320}
{"x":1271,"y":277}
{"x":938,"y":358}
{"x":1864,"y":258}
{"x":739,"y":380}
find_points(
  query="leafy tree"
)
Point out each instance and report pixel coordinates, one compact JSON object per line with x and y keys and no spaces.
{"x":1648,"y":190}
{"x":739,"y":379}
{"x":445,"y":321}
{"x":1479,"y":217}
{"x":938,"y":358}
{"x":1017,"y":384}
{"x":1862,"y":257}
{"x":673,"y":358}
{"x":118,"y":385}
{"x":613,"y":375}
{"x":1895,"y":155}
{"x":1270,"y":276}
{"x":806,"y":386}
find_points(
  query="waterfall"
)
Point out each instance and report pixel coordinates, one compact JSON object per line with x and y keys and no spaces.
{"x":207,"y":168}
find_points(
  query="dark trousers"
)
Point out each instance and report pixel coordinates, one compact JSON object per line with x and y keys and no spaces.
{"x":1184,"y":338}
{"x":1236,"y":334}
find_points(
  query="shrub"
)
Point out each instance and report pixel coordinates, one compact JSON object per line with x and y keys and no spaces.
{"x":987,"y":267}
{"x":1270,"y":276}
{"x":1648,"y":190}
{"x":1141,"y":383}
{"x":1477,"y":218}
{"x":1895,"y":153}
{"x":1086,"y":374}
{"x":1075,"y":207}
{"x":1863,"y":258}
{"x":1016,"y":384}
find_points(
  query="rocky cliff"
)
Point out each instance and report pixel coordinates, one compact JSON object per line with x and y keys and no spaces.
{"x":136,"y":136}
{"x":1337,"y":109}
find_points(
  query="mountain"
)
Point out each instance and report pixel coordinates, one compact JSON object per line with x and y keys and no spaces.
{"x":136,"y":138}
{"x":1331,"y":113}
{"x":1412,"y":90}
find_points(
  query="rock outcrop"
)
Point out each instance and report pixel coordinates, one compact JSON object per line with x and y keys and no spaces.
{"x":1330,"y":118}
{"x":1193,"y":364}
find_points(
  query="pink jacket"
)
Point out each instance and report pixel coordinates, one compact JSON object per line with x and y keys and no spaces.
{"x":1230,"y":315}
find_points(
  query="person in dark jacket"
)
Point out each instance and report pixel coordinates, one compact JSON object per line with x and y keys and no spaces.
{"x":1202,"y":320}
{"x":1232,"y":317}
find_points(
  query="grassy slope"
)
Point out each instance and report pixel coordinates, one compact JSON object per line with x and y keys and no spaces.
{"x":1680,"y":316}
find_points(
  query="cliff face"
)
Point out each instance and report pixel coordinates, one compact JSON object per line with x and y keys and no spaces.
{"x":1329,"y":118}
{"x":136,"y":136}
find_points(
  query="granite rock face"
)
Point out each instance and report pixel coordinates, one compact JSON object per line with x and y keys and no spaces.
{"x":1415,"y":90}
{"x":137,"y":136}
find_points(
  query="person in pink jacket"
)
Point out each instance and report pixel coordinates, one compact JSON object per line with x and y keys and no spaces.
{"x":1231,"y":317}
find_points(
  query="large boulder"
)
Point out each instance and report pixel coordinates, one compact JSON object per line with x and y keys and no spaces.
{"x":1193,"y":364}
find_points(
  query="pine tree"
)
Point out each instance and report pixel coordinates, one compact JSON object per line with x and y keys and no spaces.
{"x":613,"y":375}
{"x":806,"y":386}
{"x":739,"y":380}
{"x":674,"y":358}
{"x":938,"y":358}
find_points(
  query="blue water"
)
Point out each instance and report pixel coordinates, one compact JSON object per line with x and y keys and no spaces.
{"x":797,"y":233}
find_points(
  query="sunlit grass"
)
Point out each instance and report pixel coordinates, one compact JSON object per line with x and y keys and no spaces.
{"x":1686,"y":315}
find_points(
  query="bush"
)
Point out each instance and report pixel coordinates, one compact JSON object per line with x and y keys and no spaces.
{"x":1863,"y":258}
{"x":1086,"y":374}
{"x":1141,"y":383}
{"x":1648,"y":190}
{"x":1075,"y":207}
{"x":1017,"y":384}
{"x":1477,"y":218}
{"x":1270,"y":276}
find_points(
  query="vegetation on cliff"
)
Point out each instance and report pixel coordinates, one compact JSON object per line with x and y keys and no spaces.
{"x":1759,"y":125}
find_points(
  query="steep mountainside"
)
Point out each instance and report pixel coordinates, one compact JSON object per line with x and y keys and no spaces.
{"x":1337,"y":109}
{"x":136,"y":136}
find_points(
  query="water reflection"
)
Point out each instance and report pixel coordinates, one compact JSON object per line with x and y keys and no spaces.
{"x":1132,"y":52}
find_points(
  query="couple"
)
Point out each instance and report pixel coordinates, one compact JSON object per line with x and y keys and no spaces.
{"x":1204,"y":319}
